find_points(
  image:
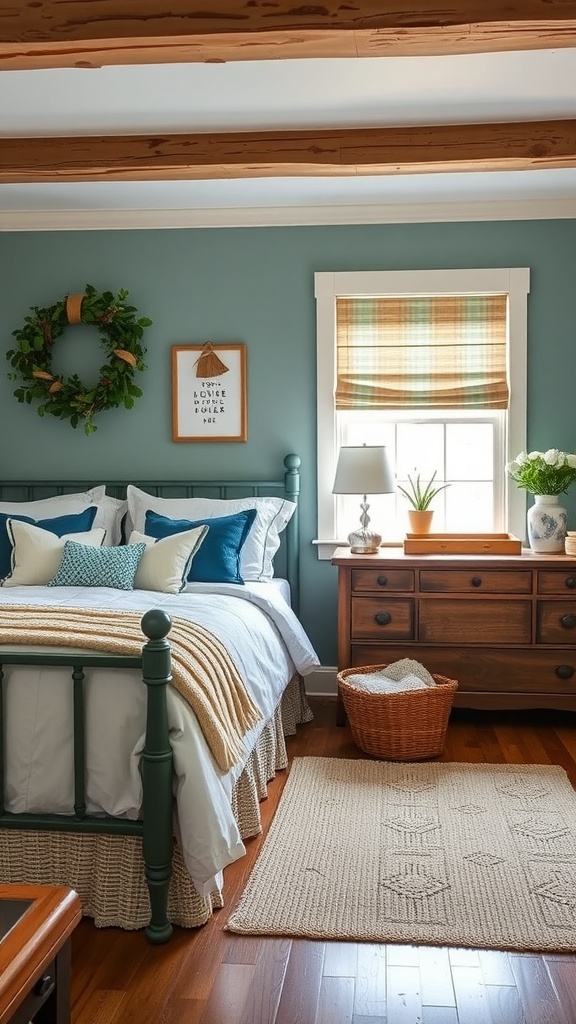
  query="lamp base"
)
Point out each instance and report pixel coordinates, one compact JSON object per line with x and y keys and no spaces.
{"x":364,"y":542}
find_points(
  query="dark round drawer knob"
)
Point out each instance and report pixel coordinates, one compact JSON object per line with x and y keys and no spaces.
{"x":382,"y":581}
{"x":564,"y":671}
{"x":568,"y":621}
{"x":476,"y":581}
{"x":383,"y":618}
{"x":571,"y":583}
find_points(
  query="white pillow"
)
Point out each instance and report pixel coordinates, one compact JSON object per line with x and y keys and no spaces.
{"x":165,"y":563}
{"x":37,"y":553}
{"x":262,"y":542}
{"x":58,"y":505}
{"x":110,"y":513}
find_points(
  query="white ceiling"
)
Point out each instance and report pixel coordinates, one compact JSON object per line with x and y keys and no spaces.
{"x":290,"y":94}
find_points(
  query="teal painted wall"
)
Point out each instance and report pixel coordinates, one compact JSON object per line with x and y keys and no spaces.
{"x":255,"y":285}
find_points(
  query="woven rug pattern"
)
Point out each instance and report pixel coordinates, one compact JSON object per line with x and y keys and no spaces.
{"x":445,"y":853}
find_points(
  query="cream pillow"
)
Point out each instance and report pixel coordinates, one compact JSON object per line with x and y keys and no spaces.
{"x":165,"y":563}
{"x":37,"y":553}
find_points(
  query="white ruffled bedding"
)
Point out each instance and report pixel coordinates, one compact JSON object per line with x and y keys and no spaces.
{"x":267,"y":643}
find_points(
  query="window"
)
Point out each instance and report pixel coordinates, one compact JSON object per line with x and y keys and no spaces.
{"x":433,"y":365}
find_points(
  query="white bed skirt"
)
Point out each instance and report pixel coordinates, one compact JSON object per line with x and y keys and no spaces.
{"x":108,"y":871}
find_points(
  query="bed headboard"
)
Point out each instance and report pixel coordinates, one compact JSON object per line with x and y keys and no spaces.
{"x":286,"y":562}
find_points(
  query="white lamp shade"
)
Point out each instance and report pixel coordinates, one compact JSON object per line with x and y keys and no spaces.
{"x":363,"y":469}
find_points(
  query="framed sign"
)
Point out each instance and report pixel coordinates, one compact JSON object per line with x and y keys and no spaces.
{"x":209,"y":392}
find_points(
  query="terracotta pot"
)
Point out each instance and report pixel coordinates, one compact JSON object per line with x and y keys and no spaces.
{"x":420,"y":522}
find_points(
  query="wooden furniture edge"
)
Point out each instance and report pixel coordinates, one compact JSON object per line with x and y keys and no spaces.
{"x":49,"y":921}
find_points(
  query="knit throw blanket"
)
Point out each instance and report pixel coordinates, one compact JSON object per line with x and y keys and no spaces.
{"x":202,"y":670}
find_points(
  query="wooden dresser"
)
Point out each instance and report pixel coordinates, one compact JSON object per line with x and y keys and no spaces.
{"x":504,"y":626}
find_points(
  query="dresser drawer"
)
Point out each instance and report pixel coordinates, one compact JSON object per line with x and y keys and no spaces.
{"x":385,"y":580}
{"x":475,"y":622}
{"x":391,"y":618}
{"x":484,"y":670}
{"x":476,"y":580}
{"x":554,"y":581}
{"x":556,"y":622}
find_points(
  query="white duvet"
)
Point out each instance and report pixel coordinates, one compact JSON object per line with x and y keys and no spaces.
{"x":267,"y":643}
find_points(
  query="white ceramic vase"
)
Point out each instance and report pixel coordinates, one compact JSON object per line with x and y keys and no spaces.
{"x":547,"y":520}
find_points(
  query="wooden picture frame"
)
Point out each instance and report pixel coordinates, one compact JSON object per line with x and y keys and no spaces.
{"x":209,"y":392}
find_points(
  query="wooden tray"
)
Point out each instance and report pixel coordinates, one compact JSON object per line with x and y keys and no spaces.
{"x":462,"y":544}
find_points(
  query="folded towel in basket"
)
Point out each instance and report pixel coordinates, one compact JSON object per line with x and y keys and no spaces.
{"x":407,"y":666}
{"x":379,"y":682}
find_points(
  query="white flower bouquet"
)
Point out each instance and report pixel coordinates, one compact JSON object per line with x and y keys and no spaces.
{"x":549,"y":472}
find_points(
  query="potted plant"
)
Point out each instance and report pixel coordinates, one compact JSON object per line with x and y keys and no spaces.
{"x":421,"y":495}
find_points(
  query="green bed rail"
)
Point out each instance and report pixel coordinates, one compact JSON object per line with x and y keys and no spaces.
{"x":155,"y":824}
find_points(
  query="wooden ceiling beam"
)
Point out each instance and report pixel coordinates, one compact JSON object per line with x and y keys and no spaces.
{"x":338,"y":152}
{"x":76,"y":33}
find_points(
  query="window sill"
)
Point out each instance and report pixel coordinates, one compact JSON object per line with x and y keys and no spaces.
{"x":326,"y":548}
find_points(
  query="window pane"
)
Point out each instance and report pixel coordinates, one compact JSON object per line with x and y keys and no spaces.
{"x":469,"y":508}
{"x":420,"y":450}
{"x":469,"y":451}
{"x":371,"y":429}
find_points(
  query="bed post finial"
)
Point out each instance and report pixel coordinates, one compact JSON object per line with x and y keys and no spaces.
{"x":156,"y":624}
{"x":292,"y":476}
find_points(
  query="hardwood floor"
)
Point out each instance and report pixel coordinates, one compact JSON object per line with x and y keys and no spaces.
{"x":209,"y":976}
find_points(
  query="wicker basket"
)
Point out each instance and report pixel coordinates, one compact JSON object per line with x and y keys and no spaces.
{"x":409,"y":726}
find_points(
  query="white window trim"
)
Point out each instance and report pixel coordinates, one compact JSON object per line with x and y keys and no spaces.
{"x":515,"y":281}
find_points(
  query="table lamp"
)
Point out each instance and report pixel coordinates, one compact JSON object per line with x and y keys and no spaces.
{"x":363,"y":469}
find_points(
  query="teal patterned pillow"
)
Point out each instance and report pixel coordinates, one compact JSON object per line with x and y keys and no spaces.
{"x":84,"y":566}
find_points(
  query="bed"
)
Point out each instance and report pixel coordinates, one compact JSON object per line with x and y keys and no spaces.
{"x":118,"y":776}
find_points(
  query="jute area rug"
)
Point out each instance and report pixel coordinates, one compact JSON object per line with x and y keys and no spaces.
{"x":444,"y":853}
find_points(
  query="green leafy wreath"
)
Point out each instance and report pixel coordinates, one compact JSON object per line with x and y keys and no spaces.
{"x":66,"y":397}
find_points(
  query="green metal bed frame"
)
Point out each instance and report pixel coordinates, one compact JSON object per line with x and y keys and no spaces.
{"x":155,"y":826}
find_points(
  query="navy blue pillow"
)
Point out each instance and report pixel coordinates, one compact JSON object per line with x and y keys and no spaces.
{"x":77,"y":522}
{"x":218,"y":558}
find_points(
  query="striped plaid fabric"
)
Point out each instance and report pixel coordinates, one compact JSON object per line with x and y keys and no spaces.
{"x":446,"y":352}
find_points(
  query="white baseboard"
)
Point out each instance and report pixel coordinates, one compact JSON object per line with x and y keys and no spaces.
{"x":322,"y":682}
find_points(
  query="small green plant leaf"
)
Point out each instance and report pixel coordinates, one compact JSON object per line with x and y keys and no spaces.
{"x":421,"y":495}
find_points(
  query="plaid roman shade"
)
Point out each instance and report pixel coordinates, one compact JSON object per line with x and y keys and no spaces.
{"x":445,"y":352}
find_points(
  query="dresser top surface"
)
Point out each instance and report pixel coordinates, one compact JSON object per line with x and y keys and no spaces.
{"x":527,"y":559}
